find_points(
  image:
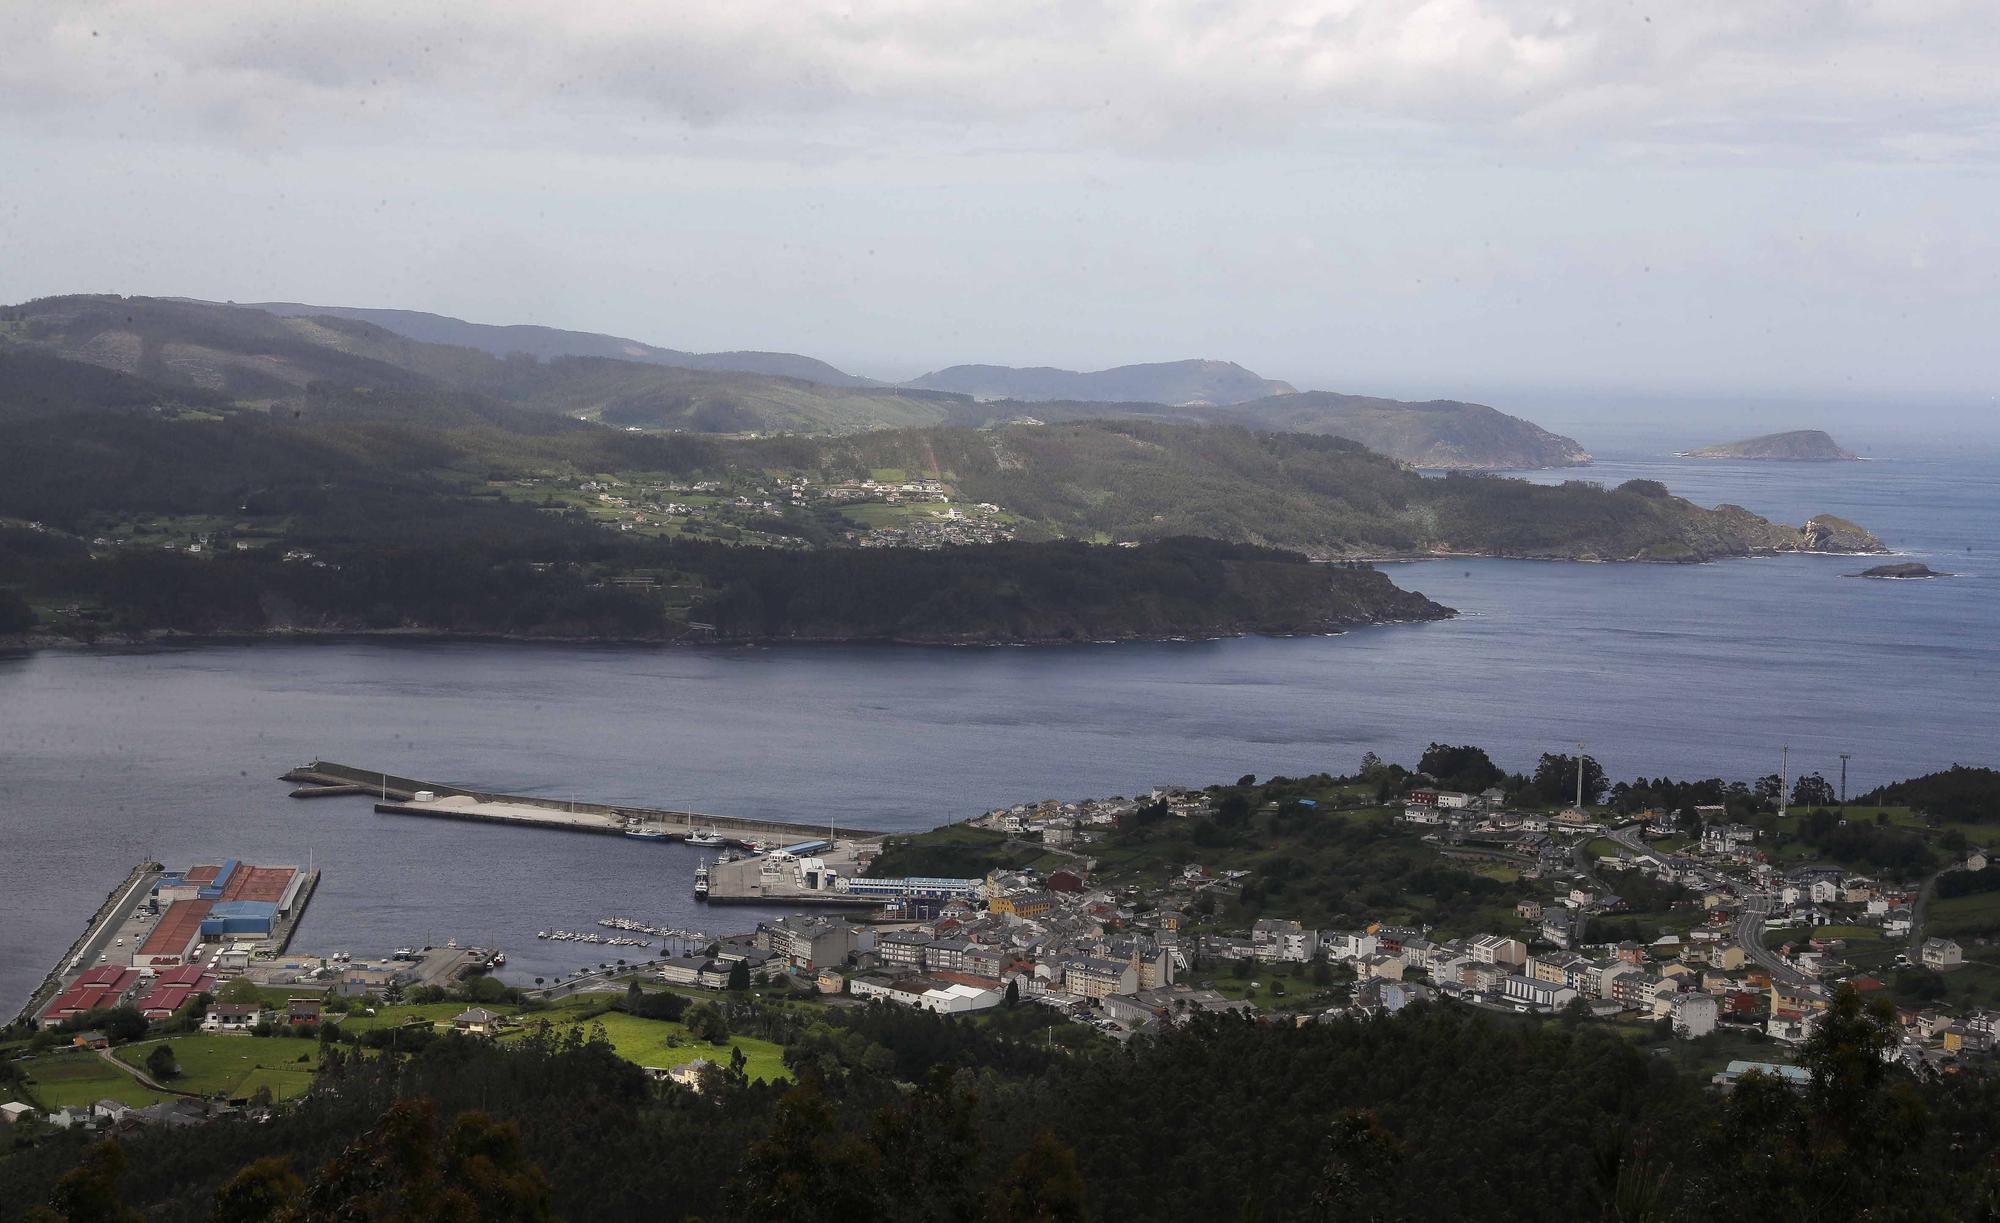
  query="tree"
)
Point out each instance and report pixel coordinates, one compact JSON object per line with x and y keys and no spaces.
{"x":120,"y":1023}
{"x":739,"y":975}
{"x":804,"y":1169}
{"x":15,"y":614}
{"x":161,"y":1063}
{"x":1013,"y":992}
{"x":1461,"y":768}
{"x":88,"y":1193}
{"x":258,"y":1192}
{"x":1812,"y":790}
{"x":1357,"y":1170}
{"x":1555,"y":779}
{"x":1043,"y":1185}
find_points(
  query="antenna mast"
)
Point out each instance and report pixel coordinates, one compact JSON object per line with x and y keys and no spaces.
{"x":1844,"y":756}
{"x":1784,"y":775}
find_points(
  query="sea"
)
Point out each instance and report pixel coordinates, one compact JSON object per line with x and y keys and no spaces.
{"x":1699,"y":670}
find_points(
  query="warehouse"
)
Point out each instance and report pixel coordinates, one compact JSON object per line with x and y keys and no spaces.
{"x":174,"y":937}
{"x":171,"y":990}
{"x":261,"y":883}
{"x":104,"y":986}
{"x":238,"y":917}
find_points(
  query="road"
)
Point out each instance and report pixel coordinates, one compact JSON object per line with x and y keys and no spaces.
{"x":1750,"y":933}
{"x":95,"y":942}
{"x":1924,"y":894}
{"x":144,"y":1078}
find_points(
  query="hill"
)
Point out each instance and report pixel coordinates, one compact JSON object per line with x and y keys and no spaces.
{"x":547,"y":343}
{"x":269,"y":357}
{"x":1798,"y":446}
{"x":1442,"y":434}
{"x":1329,"y":497}
{"x":1165,"y":382}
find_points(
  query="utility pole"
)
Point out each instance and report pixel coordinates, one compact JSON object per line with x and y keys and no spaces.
{"x":1843,"y":777}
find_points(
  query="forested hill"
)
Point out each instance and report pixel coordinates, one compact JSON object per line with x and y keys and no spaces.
{"x":272,"y":356}
{"x":1135,"y":480}
{"x":886,"y":1113}
{"x":1442,"y":434}
{"x":1163,"y":382}
{"x":550,"y":343}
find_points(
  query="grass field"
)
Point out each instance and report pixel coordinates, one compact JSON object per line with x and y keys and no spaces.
{"x":656,"y":1042}
{"x":235,"y":1065}
{"x":80,"y":1078}
{"x":397,"y":1016}
{"x":1963,"y":917}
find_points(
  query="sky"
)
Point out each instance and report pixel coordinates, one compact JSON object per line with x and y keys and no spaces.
{"x":1576,"y":205}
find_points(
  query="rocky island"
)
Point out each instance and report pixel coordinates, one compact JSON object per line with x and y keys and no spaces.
{"x":1797,"y":446}
{"x":1903,"y":572}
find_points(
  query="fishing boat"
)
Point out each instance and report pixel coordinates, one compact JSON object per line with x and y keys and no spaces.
{"x":705,"y":838}
{"x":645,"y":834}
{"x":701,"y":880}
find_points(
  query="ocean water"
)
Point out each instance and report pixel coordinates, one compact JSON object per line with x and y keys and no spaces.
{"x":1683,"y":670}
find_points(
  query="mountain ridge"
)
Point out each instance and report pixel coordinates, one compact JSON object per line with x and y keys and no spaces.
{"x":1174,"y":383}
{"x":271,"y":358}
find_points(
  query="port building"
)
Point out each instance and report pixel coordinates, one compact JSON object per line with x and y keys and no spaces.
{"x":104,"y":986}
{"x":174,"y":936}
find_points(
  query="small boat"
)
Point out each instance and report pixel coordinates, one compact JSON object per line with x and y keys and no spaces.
{"x":705,"y":838}
{"x":701,"y":880}
{"x":646,"y":834}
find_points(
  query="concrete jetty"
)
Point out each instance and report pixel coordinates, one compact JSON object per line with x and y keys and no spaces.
{"x":397,"y":795}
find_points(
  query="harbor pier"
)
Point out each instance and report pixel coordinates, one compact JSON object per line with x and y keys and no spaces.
{"x":398,"y":795}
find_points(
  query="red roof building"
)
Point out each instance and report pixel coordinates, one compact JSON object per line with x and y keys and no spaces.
{"x":172,"y":989}
{"x":265,"y":883}
{"x":174,"y":936}
{"x":101,"y":987}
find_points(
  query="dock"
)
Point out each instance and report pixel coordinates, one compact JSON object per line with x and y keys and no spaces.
{"x":397,"y":795}
{"x":765,"y":881}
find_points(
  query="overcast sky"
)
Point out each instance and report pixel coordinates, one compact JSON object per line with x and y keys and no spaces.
{"x":1476,"y":198}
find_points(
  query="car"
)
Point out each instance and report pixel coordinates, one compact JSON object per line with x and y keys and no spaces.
{"x":118,"y":942}
{"x":102,"y":958}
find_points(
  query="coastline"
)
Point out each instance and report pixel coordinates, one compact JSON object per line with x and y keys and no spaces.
{"x":164,"y":640}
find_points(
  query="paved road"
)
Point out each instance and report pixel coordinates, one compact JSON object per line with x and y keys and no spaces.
{"x":1628,"y":836}
{"x":146,"y":1079}
{"x":1750,"y":933}
{"x":99,"y":938}
{"x":1917,"y":917}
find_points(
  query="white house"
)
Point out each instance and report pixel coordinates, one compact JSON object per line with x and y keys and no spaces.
{"x":1540,"y":995}
{"x":232,"y":1017}
{"x":1941,"y":953}
{"x":1694,"y":1015}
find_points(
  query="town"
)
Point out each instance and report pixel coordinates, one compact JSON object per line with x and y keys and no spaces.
{"x":886,"y":508}
{"x":1713,"y":927}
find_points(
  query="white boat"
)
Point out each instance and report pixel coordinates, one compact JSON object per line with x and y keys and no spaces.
{"x":705,"y":838}
{"x":701,"y":880}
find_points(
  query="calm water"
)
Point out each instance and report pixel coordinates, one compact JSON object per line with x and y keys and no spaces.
{"x":1683,"y":670}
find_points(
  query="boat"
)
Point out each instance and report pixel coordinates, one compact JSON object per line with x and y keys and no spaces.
{"x":705,"y":838}
{"x":646,"y":834}
{"x":701,"y":880}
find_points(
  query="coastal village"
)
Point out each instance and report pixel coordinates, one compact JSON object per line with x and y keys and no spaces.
{"x":1742,"y":965}
{"x":888,"y":508}
{"x":1762,"y":951}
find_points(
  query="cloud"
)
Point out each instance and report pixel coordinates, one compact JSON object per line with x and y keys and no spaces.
{"x":1907,"y":80}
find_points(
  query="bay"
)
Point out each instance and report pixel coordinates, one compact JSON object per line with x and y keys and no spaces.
{"x":1681,"y":670}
